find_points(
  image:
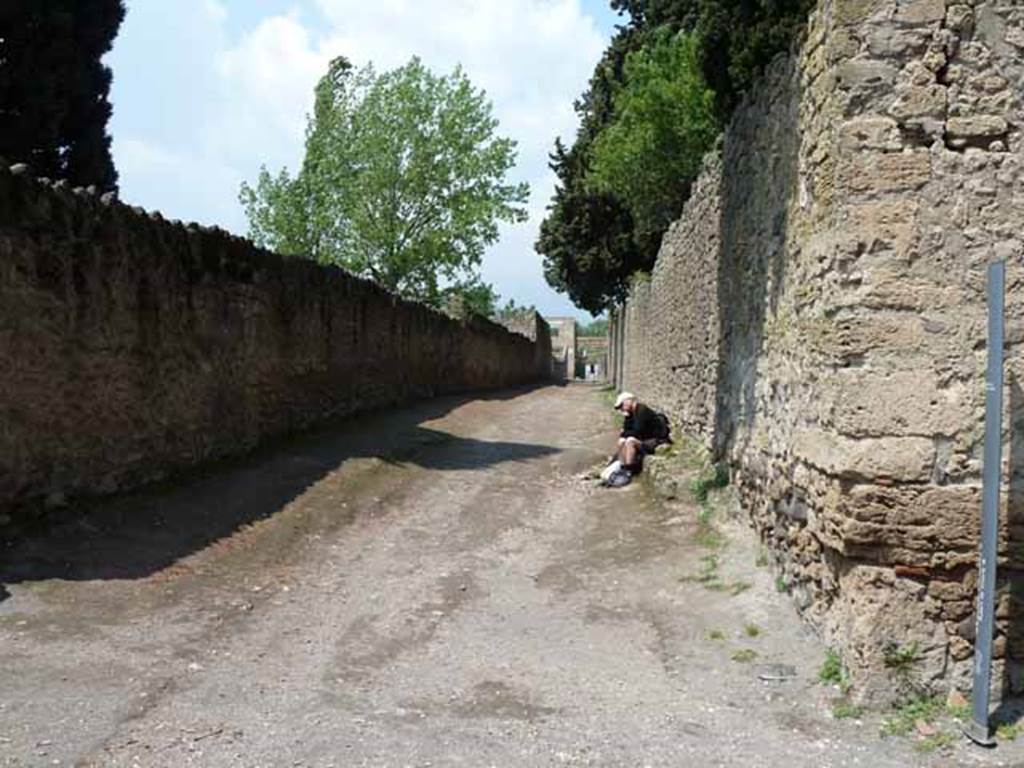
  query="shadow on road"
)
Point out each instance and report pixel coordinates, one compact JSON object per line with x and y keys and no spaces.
{"x":135,"y":535}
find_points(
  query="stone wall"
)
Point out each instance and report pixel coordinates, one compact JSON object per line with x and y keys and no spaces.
{"x":817,"y":318}
{"x":131,"y":347}
{"x":534,"y":327}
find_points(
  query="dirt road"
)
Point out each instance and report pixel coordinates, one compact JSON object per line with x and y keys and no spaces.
{"x":431,"y":587}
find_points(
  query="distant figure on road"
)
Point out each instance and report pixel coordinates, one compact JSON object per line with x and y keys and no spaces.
{"x":643,"y":430}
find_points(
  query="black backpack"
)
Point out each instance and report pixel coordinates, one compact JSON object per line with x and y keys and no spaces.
{"x":664,"y":428}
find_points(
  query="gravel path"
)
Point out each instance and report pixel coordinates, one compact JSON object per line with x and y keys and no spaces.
{"x":438,"y":588}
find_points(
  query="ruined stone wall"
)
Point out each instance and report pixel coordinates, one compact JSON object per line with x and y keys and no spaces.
{"x":671,"y":320}
{"x":534,"y":327}
{"x":861,"y":193}
{"x":131,"y":347}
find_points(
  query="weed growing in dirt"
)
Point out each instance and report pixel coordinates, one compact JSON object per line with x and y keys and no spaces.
{"x":739,"y":587}
{"x":780,"y":584}
{"x":708,"y":574}
{"x":752,"y":630}
{"x":708,"y":536}
{"x":833,"y":672}
{"x":843,"y":709}
{"x":711,"y":478}
{"x":935,"y":741}
{"x":709,"y":578}
{"x":716,"y":634}
{"x":925,"y":709}
{"x":745,"y":655}
{"x":1009,"y":731}
{"x":958,"y":711}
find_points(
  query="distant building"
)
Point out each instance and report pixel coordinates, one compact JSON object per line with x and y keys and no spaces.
{"x":563,"y":347}
{"x":591,"y":357}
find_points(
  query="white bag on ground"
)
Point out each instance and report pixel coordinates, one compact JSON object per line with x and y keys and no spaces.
{"x":610,"y":470}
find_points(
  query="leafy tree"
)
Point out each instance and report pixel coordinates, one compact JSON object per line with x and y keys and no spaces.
{"x":607,"y":217}
{"x":736,"y":38}
{"x":651,"y":152}
{"x":598,"y":327}
{"x":510,"y":310}
{"x":588,"y":239}
{"x":470,"y":297}
{"x":403,"y":182}
{"x":54,"y":87}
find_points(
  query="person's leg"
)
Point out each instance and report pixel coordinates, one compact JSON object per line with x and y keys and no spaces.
{"x":630,"y":452}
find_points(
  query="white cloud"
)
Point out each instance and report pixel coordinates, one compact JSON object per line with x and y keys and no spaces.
{"x":533,"y":57}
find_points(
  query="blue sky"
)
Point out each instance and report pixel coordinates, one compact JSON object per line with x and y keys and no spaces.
{"x":205,"y":91}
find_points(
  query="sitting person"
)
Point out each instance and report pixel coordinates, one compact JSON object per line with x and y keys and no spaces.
{"x":643,"y":430}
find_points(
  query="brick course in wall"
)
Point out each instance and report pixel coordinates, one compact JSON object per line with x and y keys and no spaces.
{"x":131,"y":347}
{"x":817,"y":318}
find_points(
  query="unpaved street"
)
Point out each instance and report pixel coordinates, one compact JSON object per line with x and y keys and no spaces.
{"x":434,"y":586}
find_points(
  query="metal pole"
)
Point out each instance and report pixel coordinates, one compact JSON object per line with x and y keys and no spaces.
{"x":978,"y":730}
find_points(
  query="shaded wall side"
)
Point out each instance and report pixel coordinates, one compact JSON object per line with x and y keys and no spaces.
{"x":131,"y":347}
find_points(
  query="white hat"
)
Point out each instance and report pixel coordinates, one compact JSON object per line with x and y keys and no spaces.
{"x":623,"y":397}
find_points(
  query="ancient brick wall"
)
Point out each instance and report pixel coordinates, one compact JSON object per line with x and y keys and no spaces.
{"x":131,"y":346}
{"x":838,"y":297}
{"x":534,"y":327}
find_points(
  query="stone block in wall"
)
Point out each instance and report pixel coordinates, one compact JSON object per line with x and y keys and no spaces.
{"x":920,"y":11}
{"x":899,"y":459}
{"x":961,"y":131}
{"x":873,"y":173}
{"x":913,"y":103}
{"x":866,"y":74}
{"x":868,"y":403}
{"x":930,"y":526}
{"x":885,"y":41}
{"x":888,"y":286}
{"x":870,"y":132}
{"x":890,"y":225}
{"x":853,"y":12}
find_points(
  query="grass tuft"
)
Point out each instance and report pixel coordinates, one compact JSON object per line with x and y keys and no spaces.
{"x":833,"y":672}
{"x":903,"y":720}
{"x":744,"y":656}
{"x":713,"y":477}
{"x":1009,"y":731}
{"x":935,"y":742}
{"x":843,"y":709}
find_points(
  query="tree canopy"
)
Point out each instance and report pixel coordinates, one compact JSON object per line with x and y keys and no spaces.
{"x":664,"y":87}
{"x":665,"y":122}
{"x":54,"y":88}
{"x":597,"y":327}
{"x":403,"y":181}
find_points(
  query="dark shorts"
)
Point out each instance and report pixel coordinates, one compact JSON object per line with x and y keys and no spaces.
{"x":649,"y":446}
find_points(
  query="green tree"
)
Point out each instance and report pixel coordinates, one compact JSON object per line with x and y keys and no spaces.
{"x":603,"y":224}
{"x":470,"y":297}
{"x":403,"y":181}
{"x":510,"y":310}
{"x":54,"y":87}
{"x":664,"y":124}
{"x":736,"y":38}
{"x":598,"y":327}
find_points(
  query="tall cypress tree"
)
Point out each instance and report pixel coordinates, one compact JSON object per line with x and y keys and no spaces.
{"x":53,"y":87}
